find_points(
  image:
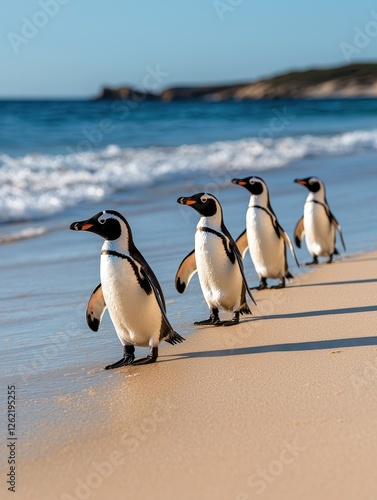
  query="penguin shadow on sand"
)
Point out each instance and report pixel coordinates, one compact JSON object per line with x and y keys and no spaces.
{"x":334,"y":283}
{"x":362,"y":259}
{"x":294,"y":346}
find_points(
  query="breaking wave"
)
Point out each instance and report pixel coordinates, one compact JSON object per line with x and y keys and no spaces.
{"x":34,"y":186}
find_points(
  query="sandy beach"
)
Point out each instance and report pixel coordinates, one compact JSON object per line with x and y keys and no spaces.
{"x":282,"y":406}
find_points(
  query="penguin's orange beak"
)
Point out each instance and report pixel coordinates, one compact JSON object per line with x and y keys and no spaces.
{"x":186,"y":201}
{"x":81,"y":226}
{"x":300,"y":181}
{"x":240,"y":182}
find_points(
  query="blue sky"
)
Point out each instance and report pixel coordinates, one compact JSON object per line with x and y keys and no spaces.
{"x":84,"y":44}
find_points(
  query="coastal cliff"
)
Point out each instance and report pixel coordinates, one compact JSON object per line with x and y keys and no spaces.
{"x":353,"y":80}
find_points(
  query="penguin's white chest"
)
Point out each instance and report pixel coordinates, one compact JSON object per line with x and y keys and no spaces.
{"x":319,"y":233}
{"x":219,"y":278}
{"x":136,"y":316}
{"x":265,"y":247}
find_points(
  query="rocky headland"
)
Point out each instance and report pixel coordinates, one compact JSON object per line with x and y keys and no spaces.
{"x":353,"y":80}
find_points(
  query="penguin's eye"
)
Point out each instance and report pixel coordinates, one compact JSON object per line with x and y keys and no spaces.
{"x":102,"y":221}
{"x":251,"y":181}
{"x":203,"y":199}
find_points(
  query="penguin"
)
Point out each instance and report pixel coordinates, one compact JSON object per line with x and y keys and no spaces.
{"x":318,"y":223}
{"x":128,"y":289}
{"x":264,"y":236}
{"x":217,"y":261}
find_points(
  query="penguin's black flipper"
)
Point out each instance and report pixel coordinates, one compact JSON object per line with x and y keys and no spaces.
{"x":288,"y":242}
{"x":234,"y":248}
{"x":152,"y":277}
{"x":186,"y":271}
{"x":337,"y":227}
{"x":95,"y":309}
{"x":166,"y":333}
{"x":240,"y":263}
{"x":299,"y":232}
{"x":242,"y":243}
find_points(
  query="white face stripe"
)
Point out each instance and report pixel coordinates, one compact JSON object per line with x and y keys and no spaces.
{"x":312,"y":180}
{"x":108,"y":216}
{"x":253,"y":180}
{"x":209,"y":197}
{"x":214,"y":220}
{"x":218,"y":206}
{"x":104,"y":217}
{"x":120,"y":243}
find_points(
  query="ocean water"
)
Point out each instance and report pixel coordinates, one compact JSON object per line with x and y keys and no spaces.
{"x":63,"y":161}
{"x":58,"y":154}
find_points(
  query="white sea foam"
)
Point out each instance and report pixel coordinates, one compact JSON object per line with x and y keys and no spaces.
{"x":24,"y":234}
{"x":40,"y":185}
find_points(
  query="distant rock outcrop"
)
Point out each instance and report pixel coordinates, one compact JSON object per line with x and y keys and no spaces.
{"x":353,"y":80}
{"x":124,"y":93}
{"x":202,"y":92}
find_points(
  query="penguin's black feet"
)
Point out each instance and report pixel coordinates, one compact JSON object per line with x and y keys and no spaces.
{"x":330,"y":259}
{"x":212,"y":320}
{"x":128,"y":358}
{"x":280,"y":285}
{"x":234,"y":321}
{"x":151,"y":358}
{"x":314,"y":262}
{"x":262,"y":285}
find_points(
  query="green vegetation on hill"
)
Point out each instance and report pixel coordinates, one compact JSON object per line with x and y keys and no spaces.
{"x":360,"y":73}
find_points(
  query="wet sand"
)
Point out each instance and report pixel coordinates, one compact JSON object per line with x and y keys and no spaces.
{"x":282,"y":406}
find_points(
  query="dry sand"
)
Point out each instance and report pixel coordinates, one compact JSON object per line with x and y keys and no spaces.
{"x":283,"y":406}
